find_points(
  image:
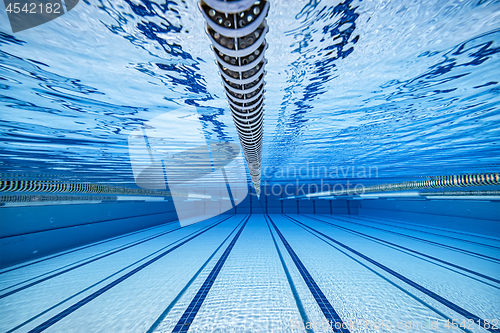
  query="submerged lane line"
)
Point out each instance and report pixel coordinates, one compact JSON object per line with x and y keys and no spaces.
{"x":471,"y":253}
{"x":190,"y":313}
{"x":298,"y":302}
{"x":410,"y":250}
{"x":330,"y":314}
{"x":415,"y":285}
{"x":379,"y":274}
{"x":106,"y":278}
{"x":79,"y":304}
{"x":83,"y":247}
{"x":164,"y":314}
{"x":102,"y":254}
{"x":9,"y":293}
{"x":463,"y":233}
{"x":427,"y":232}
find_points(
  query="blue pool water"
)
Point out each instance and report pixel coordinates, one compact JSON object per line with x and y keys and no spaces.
{"x":408,"y":87}
{"x":369,"y":271}
{"x":358,"y":93}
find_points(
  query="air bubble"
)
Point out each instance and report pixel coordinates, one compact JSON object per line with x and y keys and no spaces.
{"x":249,"y":18}
{"x":211,"y":12}
{"x":256,"y":10}
{"x":227,"y":24}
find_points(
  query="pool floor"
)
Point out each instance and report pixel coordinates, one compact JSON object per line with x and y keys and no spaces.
{"x":263,"y":273}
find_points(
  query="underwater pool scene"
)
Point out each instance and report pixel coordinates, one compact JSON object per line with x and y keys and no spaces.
{"x":249,"y":166}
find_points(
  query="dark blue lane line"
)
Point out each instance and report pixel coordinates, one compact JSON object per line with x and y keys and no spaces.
{"x":409,"y":250}
{"x":106,"y":278}
{"x":34,"y":283}
{"x":415,"y":285}
{"x":188,"y":316}
{"x":475,"y":254}
{"x":379,"y":274}
{"x":429,"y":233}
{"x":61,"y":315}
{"x":165,"y":313}
{"x":330,"y":314}
{"x":103,"y":253}
{"x":463,"y":233}
{"x":298,"y":301}
{"x":83,"y":248}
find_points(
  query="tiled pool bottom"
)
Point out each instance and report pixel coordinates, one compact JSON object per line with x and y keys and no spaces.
{"x":263,"y":273}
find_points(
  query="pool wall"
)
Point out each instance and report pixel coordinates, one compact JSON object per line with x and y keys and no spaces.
{"x":30,"y":232}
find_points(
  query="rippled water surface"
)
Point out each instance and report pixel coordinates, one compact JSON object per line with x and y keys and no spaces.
{"x":409,"y":87}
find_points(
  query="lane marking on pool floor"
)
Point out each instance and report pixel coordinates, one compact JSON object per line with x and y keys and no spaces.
{"x":360,"y":219}
{"x":383,"y":277}
{"x":164,"y":314}
{"x":477,"y":320}
{"x":10,"y":269}
{"x":373,"y":238}
{"x":190,"y":313}
{"x":298,"y":301}
{"x":102,"y":290}
{"x":471,"y":253}
{"x":89,"y":261}
{"x":424,"y":226}
{"x":329,"y":312}
{"x":102,"y":280}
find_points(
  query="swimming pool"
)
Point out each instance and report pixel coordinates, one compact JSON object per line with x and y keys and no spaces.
{"x":379,"y":171}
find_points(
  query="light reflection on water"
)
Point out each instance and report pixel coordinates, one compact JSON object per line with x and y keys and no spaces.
{"x":408,"y":87}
